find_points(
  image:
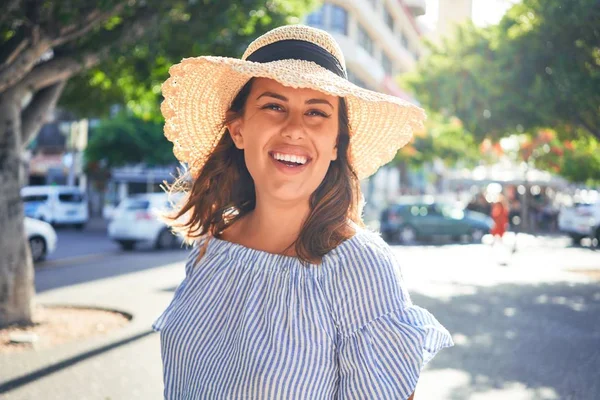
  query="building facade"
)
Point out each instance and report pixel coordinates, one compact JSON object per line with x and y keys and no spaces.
{"x":55,"y":155}
{"x":451,"y":14}
{"x":379,"y":38}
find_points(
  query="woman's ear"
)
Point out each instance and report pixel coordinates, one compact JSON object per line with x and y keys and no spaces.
{"x":235,"y":130}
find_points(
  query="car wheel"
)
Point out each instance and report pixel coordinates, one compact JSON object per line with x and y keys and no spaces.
{"x":476,"y":235}
{"x":407,"y":235}
{"x":387,"y":237}
{"x":79,"y":227}
{"x":127,"y":245}
{"x":576,"y":239}
{"x":165,"y":240}
{"x":37,"y":244}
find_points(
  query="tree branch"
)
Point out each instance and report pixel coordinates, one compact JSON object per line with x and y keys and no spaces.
{"x":58,"y":69}
{"x":86,"y":24}
{"x":22,"y":64}
{"x":15,"y":46}
{"x":36,"y":113}
{"x":62,"y":68}
{"x":13,"y":72}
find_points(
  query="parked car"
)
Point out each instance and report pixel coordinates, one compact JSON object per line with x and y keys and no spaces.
{"x":580,"y":221}
{"x":57,"y":205}
{"x":42,"y":238}
{"x":407,"y":223}
{"x":135,"y":221}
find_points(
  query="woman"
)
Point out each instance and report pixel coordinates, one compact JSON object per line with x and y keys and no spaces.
{"x":286,"y":295}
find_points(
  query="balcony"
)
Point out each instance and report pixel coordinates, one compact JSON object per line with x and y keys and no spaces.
{"x":416,"y":7}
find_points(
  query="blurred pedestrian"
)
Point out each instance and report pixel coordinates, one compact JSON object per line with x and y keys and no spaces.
{"x":286,"y":294}
{"x":500,"y":213}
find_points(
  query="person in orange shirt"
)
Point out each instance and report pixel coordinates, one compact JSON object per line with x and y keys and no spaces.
{"x":500,"y":211}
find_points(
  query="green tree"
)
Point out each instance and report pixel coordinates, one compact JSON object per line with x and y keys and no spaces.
{"x":539,"y":67}
{"x":126,"y":139}
{"x":126,"y":46}
{"x":443,"y":138}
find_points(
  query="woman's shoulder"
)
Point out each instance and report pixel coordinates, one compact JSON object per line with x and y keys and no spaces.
{"x":365,"y":247}
{"x":365,"y":280}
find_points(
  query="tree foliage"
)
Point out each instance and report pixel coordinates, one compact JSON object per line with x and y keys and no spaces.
{"x":126,"y":139}
{"x":539,"y":67}
{"x":183,"y":29}
{"x":443,"y":138}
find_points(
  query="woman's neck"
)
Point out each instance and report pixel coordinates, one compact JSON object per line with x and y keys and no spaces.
{"x":272,"y":227}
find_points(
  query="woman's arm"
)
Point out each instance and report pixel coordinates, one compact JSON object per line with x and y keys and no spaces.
{"x":412,"y":397}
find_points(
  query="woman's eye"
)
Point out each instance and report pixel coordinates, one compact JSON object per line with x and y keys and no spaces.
{"x":317,"y":113}
{"x":274,"y":107}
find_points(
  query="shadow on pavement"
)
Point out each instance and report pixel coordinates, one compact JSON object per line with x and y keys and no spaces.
{"x":49,"y":370}
{"x":543,"y":336}
{"x":104,"y":266}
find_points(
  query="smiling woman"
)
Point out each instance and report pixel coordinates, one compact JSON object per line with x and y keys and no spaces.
{"x":267,"y":137}
{"x":286,"y":295}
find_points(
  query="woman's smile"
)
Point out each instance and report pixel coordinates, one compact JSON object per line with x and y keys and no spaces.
{"x":290,"y":160}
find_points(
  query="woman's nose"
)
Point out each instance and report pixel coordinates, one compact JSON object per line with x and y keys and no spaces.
{"x":294,"y":129}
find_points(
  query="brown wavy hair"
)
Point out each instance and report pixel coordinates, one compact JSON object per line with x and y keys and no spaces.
{"x":224,"y":192}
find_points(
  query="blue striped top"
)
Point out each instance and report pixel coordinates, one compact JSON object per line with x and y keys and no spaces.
{"x":247,"y":324}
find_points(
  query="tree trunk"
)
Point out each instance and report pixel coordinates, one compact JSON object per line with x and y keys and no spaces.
{"x":16,"y":267}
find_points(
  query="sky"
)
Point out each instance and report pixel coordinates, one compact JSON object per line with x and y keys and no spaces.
{"x":485,"y":12}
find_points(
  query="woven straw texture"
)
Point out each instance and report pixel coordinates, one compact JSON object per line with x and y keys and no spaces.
{"x":200,"y":90}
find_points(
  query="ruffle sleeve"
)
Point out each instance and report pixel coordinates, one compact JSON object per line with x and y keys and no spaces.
{"x":384,"y":358}
{"x":384,"y":340}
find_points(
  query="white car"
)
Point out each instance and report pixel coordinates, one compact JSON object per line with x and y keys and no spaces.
{"x":580,"y":221}
{"x":59,"y":205}
{"x":41,"y":237}
{"x":135,"y":221}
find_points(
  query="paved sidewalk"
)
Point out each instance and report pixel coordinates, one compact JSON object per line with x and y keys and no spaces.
{"x":122,"y":365}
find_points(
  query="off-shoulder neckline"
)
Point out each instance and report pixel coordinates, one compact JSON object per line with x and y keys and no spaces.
{"x":217,"y":245}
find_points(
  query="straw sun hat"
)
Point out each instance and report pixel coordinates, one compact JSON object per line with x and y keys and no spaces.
{"x":200,"y":90}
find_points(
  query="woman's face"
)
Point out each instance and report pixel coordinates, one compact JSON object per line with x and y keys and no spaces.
{"x":289,"y":138}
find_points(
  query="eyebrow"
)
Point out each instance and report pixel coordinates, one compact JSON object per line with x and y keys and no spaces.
{"x":283,"y":98}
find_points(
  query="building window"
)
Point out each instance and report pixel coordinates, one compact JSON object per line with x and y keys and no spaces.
{"x":339,"y":20}
{"x":317,"y":18}
{"x":365,"y":40}
{"x":404,"y":40}
{"x":389,"y":20}
{"x":415,"y":54}
{"x":386,"y":63}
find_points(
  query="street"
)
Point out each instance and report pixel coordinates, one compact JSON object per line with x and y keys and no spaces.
{"x":527,"y":329}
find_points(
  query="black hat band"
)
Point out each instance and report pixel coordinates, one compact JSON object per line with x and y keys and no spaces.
{"x":298,"y":50}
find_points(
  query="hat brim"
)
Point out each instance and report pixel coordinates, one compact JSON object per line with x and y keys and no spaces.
{"x":200,"y":90}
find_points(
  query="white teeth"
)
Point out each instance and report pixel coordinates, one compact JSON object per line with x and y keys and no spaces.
{"x":290,"y":158}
